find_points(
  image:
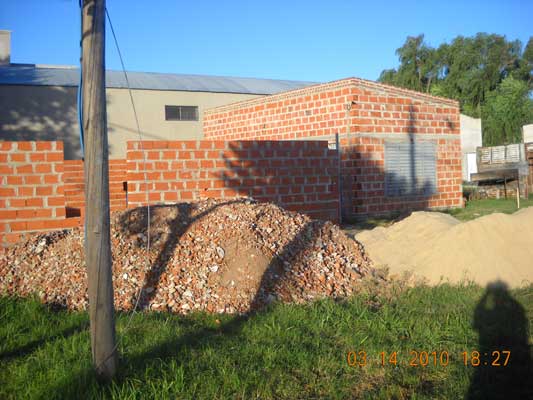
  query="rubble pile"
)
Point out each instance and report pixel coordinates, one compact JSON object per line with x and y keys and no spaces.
{"x":211,"y":255}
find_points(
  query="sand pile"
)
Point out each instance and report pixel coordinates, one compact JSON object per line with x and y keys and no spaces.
{"x":439,"y":248}
{"x":217,"y":256}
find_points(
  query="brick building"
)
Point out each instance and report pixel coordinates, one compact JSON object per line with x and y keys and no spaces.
{"x":399,"y":149}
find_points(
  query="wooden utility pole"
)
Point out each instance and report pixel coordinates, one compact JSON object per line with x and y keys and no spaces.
{"x":97,"y":235}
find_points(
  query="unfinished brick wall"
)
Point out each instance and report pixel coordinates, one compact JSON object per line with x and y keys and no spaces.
{"x":74,"y":186}
{"x":31,"y":192}
{"x":365,"y":114}
{"x":41,"y":192}
{"x":297,"y":175}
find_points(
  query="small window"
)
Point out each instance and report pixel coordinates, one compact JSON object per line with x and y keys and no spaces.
{"x":181,"y":113}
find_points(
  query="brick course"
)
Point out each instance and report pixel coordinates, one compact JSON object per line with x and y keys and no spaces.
{"x":74,"y":186}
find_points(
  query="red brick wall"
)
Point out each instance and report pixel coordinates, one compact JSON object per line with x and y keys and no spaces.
{"x":320,"y":110}
{"x":298,"y":175}
{"x":31,"y":192}
{"x":40,"y":191}
{"x":364,"y":178}
{"x":74,"y":186}
{"x":365,"y":114}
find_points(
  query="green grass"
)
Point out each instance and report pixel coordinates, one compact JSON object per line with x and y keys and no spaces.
{"x":478,"y":208}
{"x":284,"y":352}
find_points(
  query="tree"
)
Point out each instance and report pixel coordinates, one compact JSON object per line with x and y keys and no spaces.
{"x":490,"y":77}
{"x":388,"y":76}
{"x":418,"y":66}
{"x":524,"y":70}
{"x":466,"y":69}
{"x":506,"y":110}
{"x":472,"y":67}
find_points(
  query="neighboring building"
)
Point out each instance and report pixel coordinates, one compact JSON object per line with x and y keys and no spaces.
{"x":527,"y":133}
{"x":471,"y":139}
{"x":400,"y":149}
{"x":39,"y":102}
{"x":527,"y":138}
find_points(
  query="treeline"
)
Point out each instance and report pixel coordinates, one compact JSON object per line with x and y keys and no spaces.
{"x":491,"y":77}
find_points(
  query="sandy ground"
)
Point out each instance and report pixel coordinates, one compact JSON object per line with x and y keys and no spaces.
{"x":440,"y":248}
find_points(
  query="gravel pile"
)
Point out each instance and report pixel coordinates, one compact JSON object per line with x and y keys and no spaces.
{"x":212,"y":255}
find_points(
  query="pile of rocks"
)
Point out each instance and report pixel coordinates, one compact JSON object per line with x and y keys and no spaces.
{"x":212,"y":255}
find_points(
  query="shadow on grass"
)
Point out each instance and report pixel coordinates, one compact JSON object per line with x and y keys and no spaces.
{"x":134,"y":366}
{"x":503,"y":327}
{"x":31,"y":347}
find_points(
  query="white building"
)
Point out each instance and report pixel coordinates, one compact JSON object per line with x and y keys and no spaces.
{"x":470,"y":140}
{"x":527,"y":133}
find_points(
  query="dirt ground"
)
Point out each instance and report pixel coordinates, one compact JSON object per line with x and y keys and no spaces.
{"x":439,"y":248}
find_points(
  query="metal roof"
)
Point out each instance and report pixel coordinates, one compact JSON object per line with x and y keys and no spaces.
{"x":30,"y":74}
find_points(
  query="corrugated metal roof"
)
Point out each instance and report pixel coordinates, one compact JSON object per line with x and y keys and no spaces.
{"x":25,"y":74}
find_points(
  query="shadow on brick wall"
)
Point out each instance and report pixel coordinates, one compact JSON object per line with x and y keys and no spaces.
{"x":295,"y":177}
{"x":398,"y":193}
{"x":234,"y":175}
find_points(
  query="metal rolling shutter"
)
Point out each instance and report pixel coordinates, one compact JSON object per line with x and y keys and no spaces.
{"x":410,"y":169}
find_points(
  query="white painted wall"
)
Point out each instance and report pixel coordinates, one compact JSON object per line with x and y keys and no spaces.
{"x":470,"y":133}
{"x":527,"y":133}
{"x":470,"y":140}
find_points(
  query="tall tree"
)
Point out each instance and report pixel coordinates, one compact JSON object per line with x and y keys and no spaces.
{"x":470,"y":70}
{"x":524,"y":70}
{"x":418,"y":65}
{"x":472,"y":67}
{"x":506,"y":110}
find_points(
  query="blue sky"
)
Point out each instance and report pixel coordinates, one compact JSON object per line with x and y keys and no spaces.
{"x":300,"y":40}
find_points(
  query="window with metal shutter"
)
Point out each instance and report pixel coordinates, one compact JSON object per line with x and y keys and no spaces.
{"x":181,"y":113}
{"x":410,"y":169}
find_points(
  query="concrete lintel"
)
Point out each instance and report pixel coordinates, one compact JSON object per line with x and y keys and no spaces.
{"x":399,"y":136}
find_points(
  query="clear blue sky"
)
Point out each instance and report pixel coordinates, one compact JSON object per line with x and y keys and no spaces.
{"x":300,"y":40}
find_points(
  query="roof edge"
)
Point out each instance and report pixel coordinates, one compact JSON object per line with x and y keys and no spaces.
{"x":77,"y":67}
{"x":407,"y":91}
{"x":340,"y":83}
{"x":142,"y":89}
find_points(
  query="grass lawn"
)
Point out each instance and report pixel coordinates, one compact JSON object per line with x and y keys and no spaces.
{"x":284,"y":352}
{"x":478,"y":208}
